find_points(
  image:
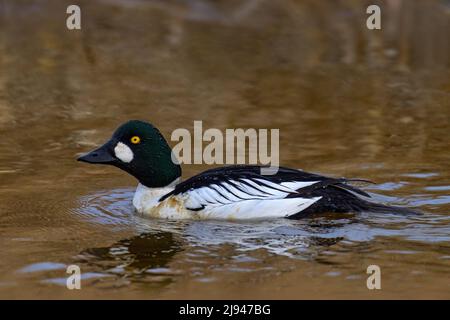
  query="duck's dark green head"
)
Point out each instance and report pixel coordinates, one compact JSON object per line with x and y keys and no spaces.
{"x":138,"y":148}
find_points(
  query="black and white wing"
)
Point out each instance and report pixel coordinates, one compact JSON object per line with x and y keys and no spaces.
{"x":241,"y":192}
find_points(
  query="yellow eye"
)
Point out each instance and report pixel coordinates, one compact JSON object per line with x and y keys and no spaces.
{"x":135,"y":140}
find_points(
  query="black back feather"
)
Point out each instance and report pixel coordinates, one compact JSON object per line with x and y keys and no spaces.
{"x":242,"y":172}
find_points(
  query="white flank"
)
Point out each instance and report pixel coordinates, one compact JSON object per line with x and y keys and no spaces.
{"x":123,"y":152}
{"x":231,"y":201}
{"x":253,"y":209}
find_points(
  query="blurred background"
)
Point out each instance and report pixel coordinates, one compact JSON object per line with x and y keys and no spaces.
{"x":348,"y":101}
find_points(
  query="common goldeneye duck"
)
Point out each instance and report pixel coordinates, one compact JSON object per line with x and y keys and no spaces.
{"x":231,"y":192}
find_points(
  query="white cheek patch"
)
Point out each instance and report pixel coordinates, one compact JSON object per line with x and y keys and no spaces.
{"x":123,"y":152}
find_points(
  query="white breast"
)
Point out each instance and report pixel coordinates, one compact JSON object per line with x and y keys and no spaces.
{"x":146,"y":201}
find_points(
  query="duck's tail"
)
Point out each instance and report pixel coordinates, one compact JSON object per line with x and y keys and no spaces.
{"x":360,"y":205}
{"x":343,"y":199}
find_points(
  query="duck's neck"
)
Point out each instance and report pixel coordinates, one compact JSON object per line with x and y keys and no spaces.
{"x":159,"y":173}
{"x":143,"y":188}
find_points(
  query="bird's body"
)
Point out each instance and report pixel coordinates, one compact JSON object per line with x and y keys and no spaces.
{"x":242,"y":193}
{"x":224,"y":193}
{"x":233,"y":192}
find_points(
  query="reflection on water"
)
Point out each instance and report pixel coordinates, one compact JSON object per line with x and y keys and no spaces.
{"x":135,"y":259}
{"x":348,"y":102}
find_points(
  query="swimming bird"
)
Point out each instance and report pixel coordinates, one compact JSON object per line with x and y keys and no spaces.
{"x":230,"y":192}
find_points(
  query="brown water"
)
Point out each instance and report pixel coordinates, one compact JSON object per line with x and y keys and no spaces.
{"x":348,"y":102}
